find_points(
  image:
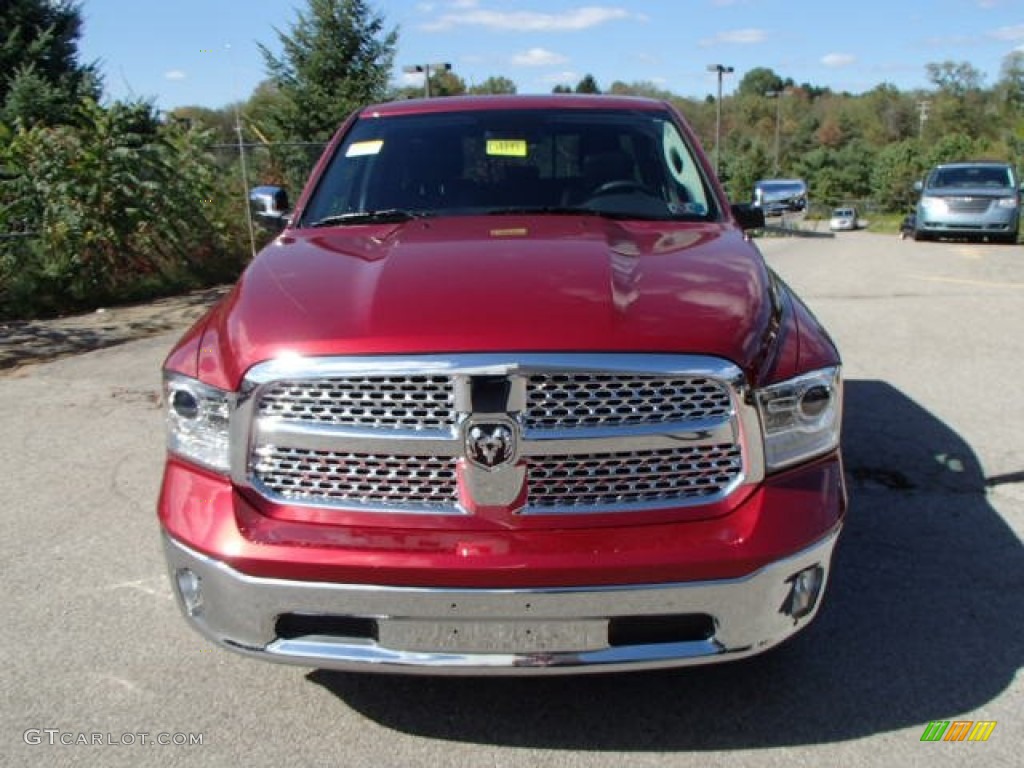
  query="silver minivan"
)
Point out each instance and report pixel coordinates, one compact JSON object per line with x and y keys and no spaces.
{"x":972,"y":200}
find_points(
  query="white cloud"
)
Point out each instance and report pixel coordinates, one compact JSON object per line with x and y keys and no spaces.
{"x":1011,"y":34}
{"x":174,"y":74}
{"x":836,"y":60}
{"x":538,"y":57}
{"x":561,"y":78}
{"x":950,"y":41}
{"x":749,"y":36}
{"x":528,"y":21}
{"x":463,"y":4}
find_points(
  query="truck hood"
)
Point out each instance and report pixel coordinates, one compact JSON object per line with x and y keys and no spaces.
{"x":476,"y":284}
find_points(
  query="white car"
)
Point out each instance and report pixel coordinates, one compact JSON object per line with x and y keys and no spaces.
{"x":843,"y":219}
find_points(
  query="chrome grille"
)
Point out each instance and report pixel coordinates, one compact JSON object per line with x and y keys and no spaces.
{"x":576,"y":400}
{"x":375,"y":402}
{"x":362,"y":479}
{"x":632,"y":478}
{"x":968,"y":204}
{"x":593,"y":433}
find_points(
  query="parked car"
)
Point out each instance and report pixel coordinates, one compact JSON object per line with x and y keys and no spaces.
{"x":512,"y":392}
{"x":781,"y":197}
{"x":971,"y":200}
{"x":843,"y":219}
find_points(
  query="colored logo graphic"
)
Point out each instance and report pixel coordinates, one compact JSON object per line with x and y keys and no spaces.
{"x":958,"y":730}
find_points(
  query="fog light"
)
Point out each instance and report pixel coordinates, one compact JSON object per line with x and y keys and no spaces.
{"x":190,"y":589}
{"x":805,"y":588}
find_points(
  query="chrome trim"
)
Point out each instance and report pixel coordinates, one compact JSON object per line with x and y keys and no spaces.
{"x":494,"y":364}
{"x":239,"y":612}
{"x":324,"y":438}
{"x":740,"y":426}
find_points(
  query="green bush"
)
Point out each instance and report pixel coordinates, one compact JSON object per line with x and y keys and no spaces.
{"x":121,"y":207}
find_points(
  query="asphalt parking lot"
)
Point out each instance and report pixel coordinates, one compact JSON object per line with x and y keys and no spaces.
{"x":924,"y":620}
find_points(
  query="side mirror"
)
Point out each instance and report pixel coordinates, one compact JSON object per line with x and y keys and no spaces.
{"x":269,"y":207}
{"x":748,"y":216}
{"x":918,"y":185}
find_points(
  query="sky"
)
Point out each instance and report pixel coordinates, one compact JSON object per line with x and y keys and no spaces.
{"x":204,"y":52}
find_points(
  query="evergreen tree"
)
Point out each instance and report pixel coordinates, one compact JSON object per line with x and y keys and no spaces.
{"x":41,"y":79}
{"x":587,"y":85}
{"x":336,"y":58}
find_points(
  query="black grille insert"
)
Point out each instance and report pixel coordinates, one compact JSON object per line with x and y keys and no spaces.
{"x":651,"y":630}
{"x":293,"y":625}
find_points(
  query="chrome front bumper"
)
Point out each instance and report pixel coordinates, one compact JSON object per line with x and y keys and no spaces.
{"x":491,"y":631}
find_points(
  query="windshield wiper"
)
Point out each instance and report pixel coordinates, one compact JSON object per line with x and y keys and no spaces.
{"x":386,"y":216}
{"x":563,"y":210}
{"x":552,"y":210}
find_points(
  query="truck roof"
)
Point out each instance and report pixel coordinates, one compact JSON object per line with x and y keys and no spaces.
{"x":509,"y":101}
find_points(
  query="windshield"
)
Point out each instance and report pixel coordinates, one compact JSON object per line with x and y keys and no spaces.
{"x":623,"y":164}
{"x":971,"y":176}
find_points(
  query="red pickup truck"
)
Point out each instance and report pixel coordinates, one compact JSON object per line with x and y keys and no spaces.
{"x":511,"y":392}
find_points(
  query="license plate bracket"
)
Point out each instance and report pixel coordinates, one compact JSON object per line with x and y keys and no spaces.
{"x":505,"y":637}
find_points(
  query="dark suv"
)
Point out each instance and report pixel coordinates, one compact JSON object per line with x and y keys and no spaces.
{"x":969,"y":200}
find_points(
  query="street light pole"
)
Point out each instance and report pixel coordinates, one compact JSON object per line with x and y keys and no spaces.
{"x":721,"y":69}
{"x":777,"y":95}
{"x":426,"y":69}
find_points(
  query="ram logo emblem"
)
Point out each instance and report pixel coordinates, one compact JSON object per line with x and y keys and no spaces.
{"x":490,"y":445}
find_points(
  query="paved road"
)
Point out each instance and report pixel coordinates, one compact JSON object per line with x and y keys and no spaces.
{"x":924,"y":620}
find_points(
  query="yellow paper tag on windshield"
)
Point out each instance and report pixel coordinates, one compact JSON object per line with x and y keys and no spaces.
{"x":506,"y":147}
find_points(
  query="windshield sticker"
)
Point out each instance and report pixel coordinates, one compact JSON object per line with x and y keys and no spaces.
{"x":364,"y":148}
{"x":506,"y":147}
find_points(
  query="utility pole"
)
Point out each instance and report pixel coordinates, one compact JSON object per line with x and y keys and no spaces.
{"x":722,"y":70}
{"x":426,"y":69}
{"x":777,"y":95}
{"x":922,"y":116}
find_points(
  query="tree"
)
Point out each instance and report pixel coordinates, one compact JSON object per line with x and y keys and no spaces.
{"x":1011,"y":81}
{"x":641,"y":88}
{"x":959,"y":104}
{"x":954,"y":79}
{"x":220,"y":121}
{"x":896,"y":169}
{"x":494,"y":85}
{"x":759,"y":80}
{"x":41,"y":78}
{"x":120,"y":203}
{"x":587,"y":85}
{"x":336,"y":58}
{"x":446,"y":83}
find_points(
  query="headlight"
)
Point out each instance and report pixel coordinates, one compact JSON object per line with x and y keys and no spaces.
{"x":1007,"y":202}
{"x":934,"y":204}
{"x":801,"y":417}
{"x":197,"y":421}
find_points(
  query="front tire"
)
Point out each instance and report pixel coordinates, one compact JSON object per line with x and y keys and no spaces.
{"x":920,"y":235}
